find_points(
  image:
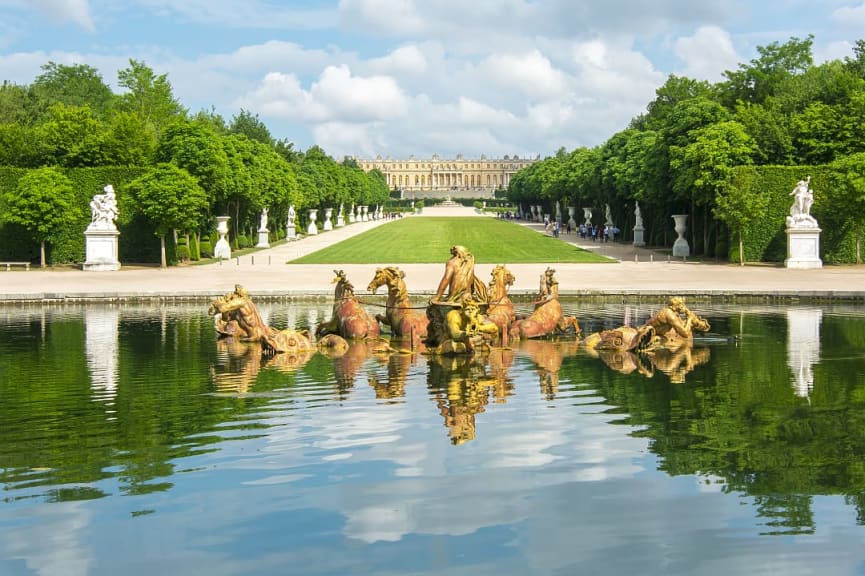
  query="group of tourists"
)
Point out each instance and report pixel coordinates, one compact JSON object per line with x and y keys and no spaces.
{"x":599,"y":233}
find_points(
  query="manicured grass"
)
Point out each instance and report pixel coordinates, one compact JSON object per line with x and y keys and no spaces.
{"x":427,"y":240}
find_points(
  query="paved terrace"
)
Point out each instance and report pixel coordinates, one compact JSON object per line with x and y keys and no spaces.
{"x":637,"y":273}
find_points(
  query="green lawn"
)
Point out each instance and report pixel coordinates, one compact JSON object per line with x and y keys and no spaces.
{"x":427,"y":240}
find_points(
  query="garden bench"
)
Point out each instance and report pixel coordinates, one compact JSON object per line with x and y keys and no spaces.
{"x":9,"y":265}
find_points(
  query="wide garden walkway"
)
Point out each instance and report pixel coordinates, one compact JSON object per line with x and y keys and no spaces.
{"x":634,"y":273}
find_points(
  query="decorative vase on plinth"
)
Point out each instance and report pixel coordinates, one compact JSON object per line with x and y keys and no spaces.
{"x":328,"y":213}
{"x":222,"y":250}
{"x":587,"y":214}
{"x":364,"y":213}
{"x":340,"y":220}
{"x":312,"y":229}
{"x":571,"y":222}
{"x":351,"y":214}
{"x":680,"y":246}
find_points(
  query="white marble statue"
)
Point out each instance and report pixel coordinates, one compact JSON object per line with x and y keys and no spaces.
{"x":638,"y":216}
{"x":291,"y":215}
{"x":263,"y":223}
{"x":103,"y":210}
{"x":609,"y":216}
{"x":800,"y":211}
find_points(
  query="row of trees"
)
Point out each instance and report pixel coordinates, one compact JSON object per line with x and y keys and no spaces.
{"x":193,"y":166}
{"x":678,"y":157}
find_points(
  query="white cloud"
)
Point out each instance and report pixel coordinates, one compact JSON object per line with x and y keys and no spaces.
{"x":531,"y":74}
{"x":77,"y":11}
{"x":833,"y":51}
{"x":707,"y":54}
{"x":243,"y":13}
{"x":336,"y":96}
{"x":405,"y":59}
{"x":852,"y":17}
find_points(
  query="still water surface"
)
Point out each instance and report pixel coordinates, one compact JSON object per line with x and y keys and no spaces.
{"x":131,"y":442}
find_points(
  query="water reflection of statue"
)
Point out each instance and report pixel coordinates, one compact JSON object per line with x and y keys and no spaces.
{"x":459,"y":278}
{"x":800,"y":211}
{"x":461,"y":387}
{"x":548,"y":357}
{"x":677,"y":362}
{"x":103,"y":209}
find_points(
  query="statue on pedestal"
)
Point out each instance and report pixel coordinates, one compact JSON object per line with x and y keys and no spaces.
{"x":103,"y":210}
{"x":800,"y":211}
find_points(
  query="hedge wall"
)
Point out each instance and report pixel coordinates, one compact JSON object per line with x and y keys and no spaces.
{"x":137,"y":242}
{"x":766,"y":241}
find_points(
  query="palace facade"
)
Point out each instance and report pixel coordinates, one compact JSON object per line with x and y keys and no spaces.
{"x":436,"y":177}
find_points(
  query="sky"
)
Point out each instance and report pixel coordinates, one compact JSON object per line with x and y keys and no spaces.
{"x":395,"y":78}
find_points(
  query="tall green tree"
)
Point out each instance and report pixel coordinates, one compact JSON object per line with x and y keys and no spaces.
{"x":763,"y":76}
{"x":15,"y":104}
{"x":41,"y":203}
{"x":704,"y":166}
{"x":74,"y":136}
{"x":73,"y":85}
{"x":739,"y":206}
{"x":249,"y":124}
{"x":149,"y":95}
{"x":170,"y":198}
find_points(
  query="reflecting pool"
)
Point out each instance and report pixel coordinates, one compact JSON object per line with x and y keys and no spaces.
{"x":133,"y":442}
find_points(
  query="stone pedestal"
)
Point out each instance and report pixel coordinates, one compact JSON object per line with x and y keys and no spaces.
{"x":340,"y":220}
{"x":638,"y":236}
{"x":803,"y":248}
{"x":681,"y":249}
{"x":263,"y":239}
{"x":328,"y":224}
{"x":101,"y":250}
{"x":351,"y":214}
{"x":222,"y":250}
{"x":571,"y":222}
{"x":291,"y":231}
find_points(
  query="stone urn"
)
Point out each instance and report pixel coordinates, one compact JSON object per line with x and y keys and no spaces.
{"x":312,"y":229}
{"x":328,"y":214}
{"x":222,"y":250}
{"x":587,"y":214}
{"x":680,"y":246}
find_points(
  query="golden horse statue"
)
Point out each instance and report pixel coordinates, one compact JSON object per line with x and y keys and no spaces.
{"x":500,"y":310}
{"x":237,"y":315}
{"x":349,"y":319}
{"x":403,"y":320}
{"x":547,"y":319}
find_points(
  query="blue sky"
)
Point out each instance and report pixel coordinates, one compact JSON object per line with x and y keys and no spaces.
{"x":401,"y":77}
